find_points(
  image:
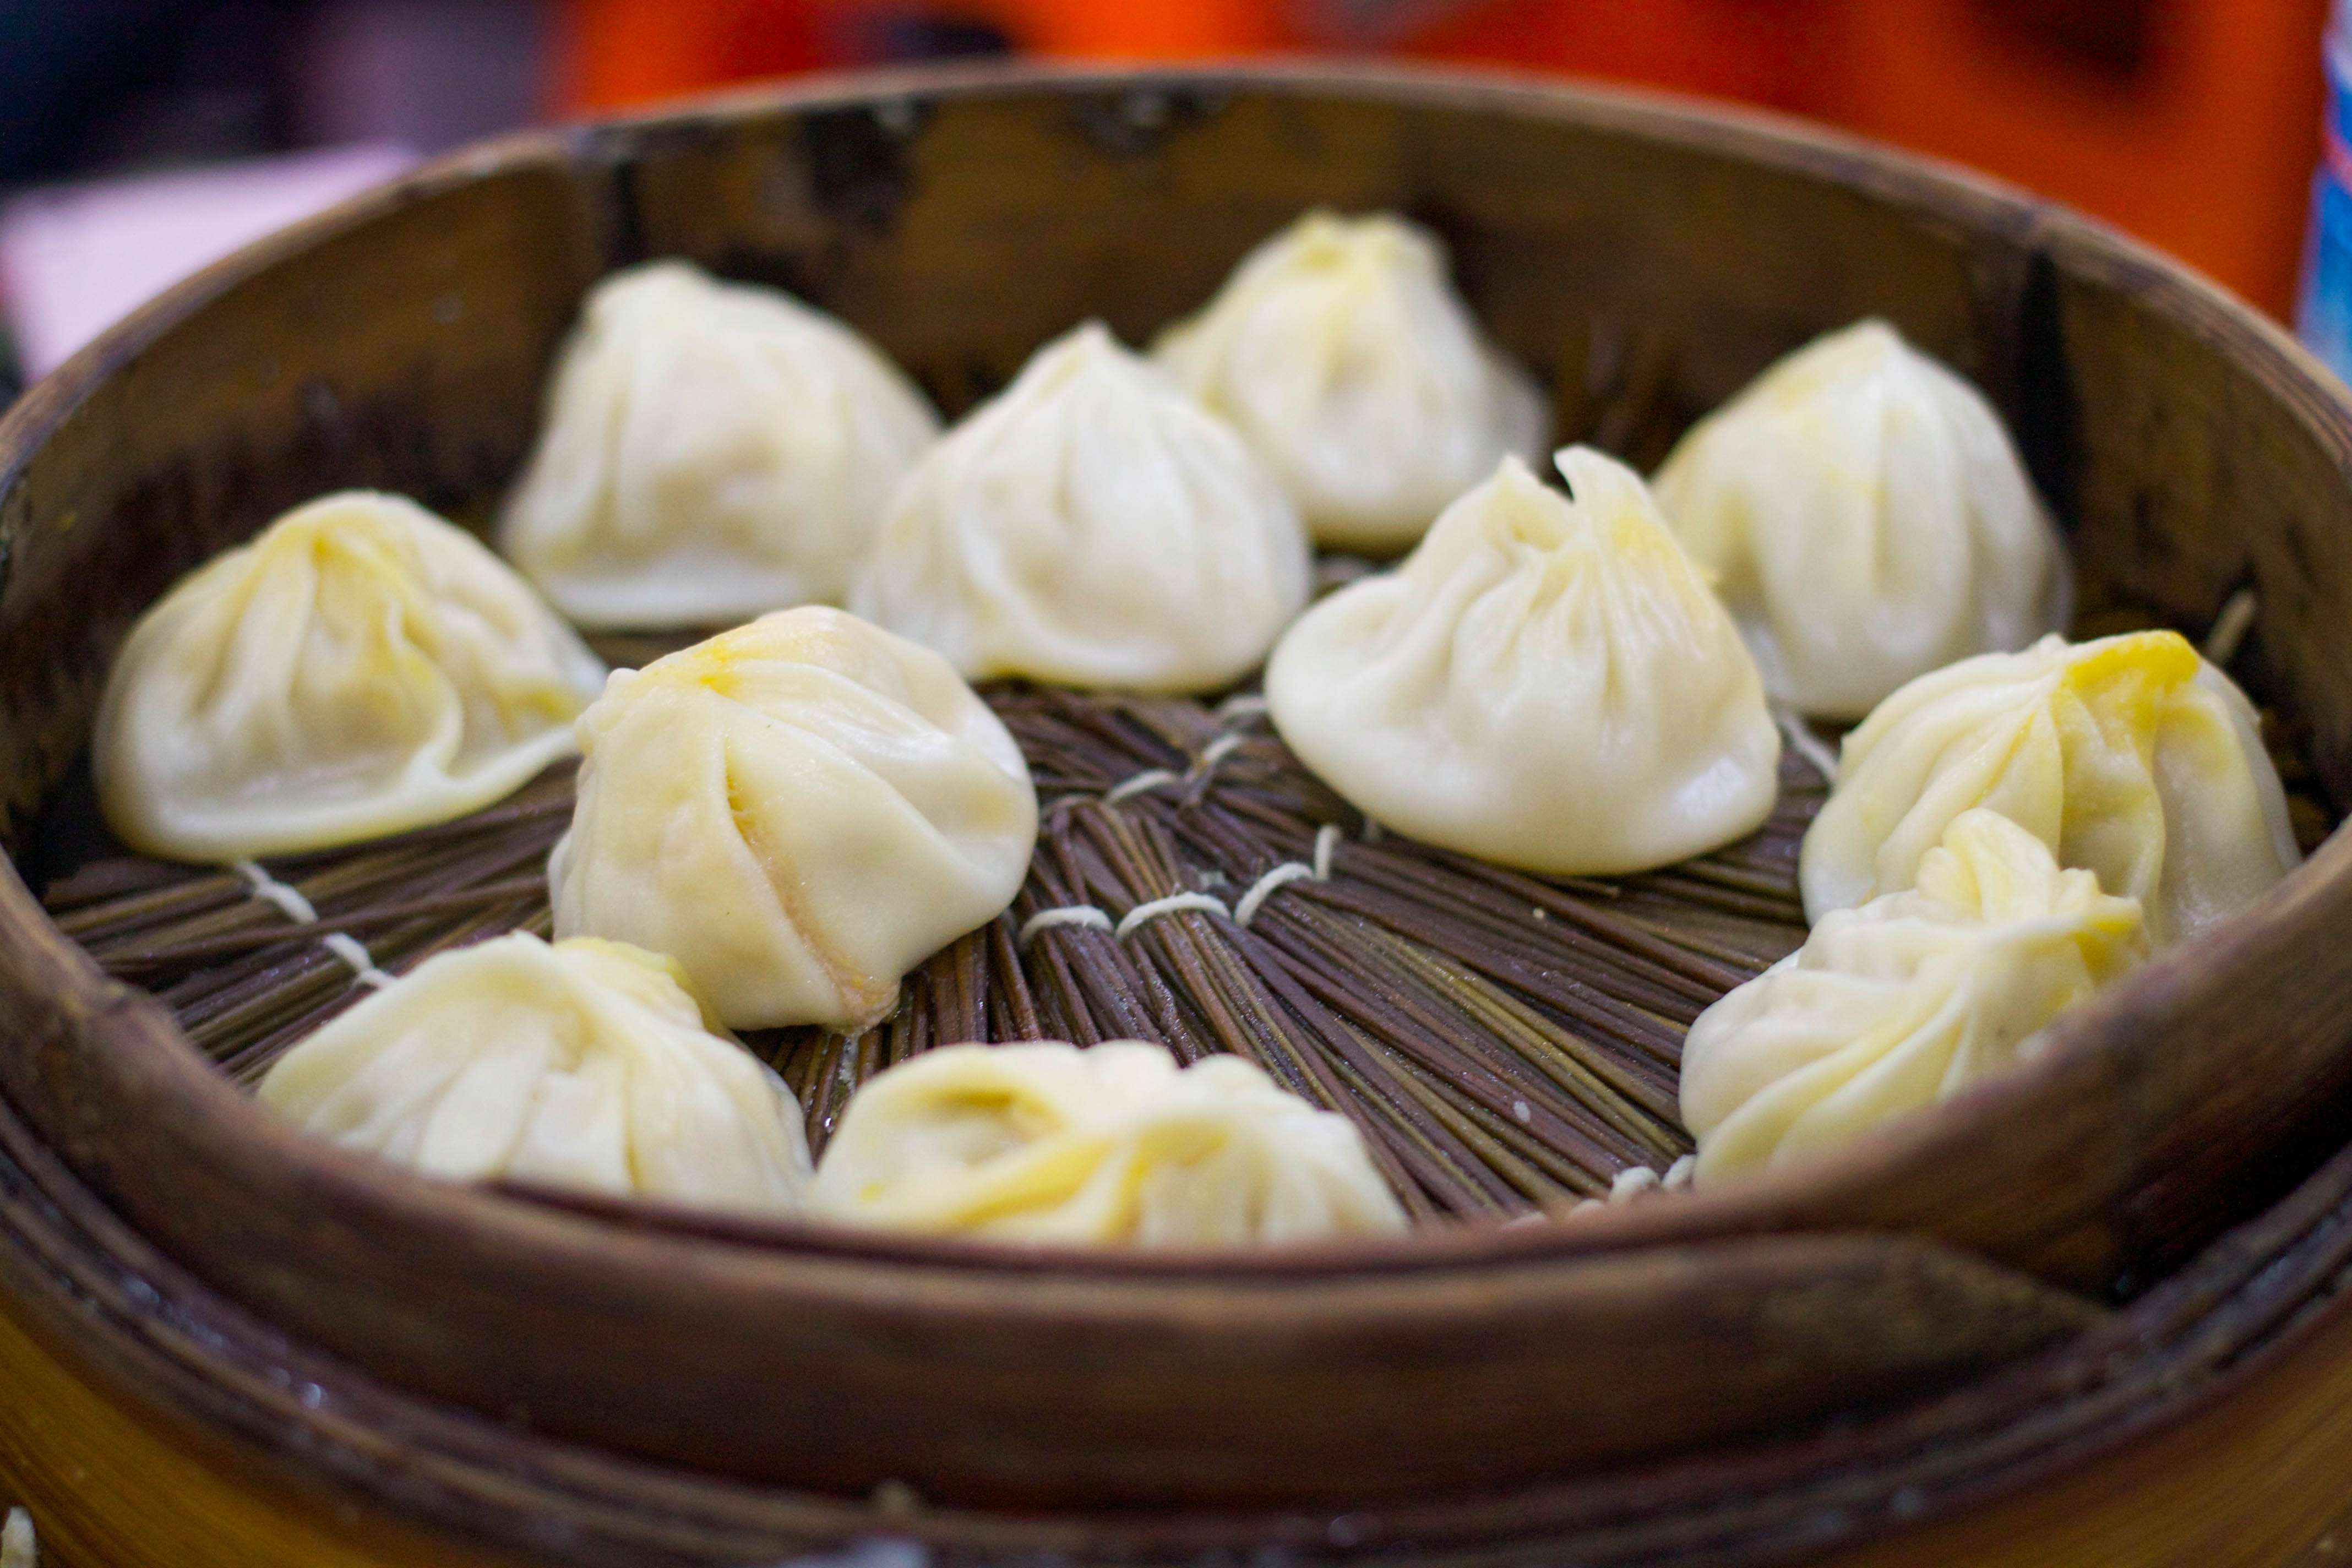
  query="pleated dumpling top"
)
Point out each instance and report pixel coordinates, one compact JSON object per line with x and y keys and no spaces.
{"x":360,"y":667}
{"x":1867,"y":517}
{"x":1342,"y":354}
{"x":1115,"y":1145}
{"x":1546,"y":683}
{"x":584,"y":1064}
{"x":1090,"y":526}
{"x":2130,"y":756}
{"x":711,"y":451}
{"x":1907,"y":1000}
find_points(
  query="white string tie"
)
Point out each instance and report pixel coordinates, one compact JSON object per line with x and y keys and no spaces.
{"x":356,"y":958}
{"x":1234,"y":713}
{"x":1151,"y":778}
{"x":1241,"y":710}
{"x":1211,"y":755}
{"x":1064,"y":915}
{"x":1172,"y":904}
{"x":289,"y":901}
{"x":1632,"y":1183}
{"x":1264,"y":888}
{"x":19,"y":1546}
{"x":2230,"y":627}
{"x":1327,"y":841}
{"x":1216,"y":752}
{"x":1805,"y":743}
{"x":270,"y":890}
{"x":1326,"y":844}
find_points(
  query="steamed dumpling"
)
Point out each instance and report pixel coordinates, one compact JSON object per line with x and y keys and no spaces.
{"x":1091,"y":526}
{"x":1545,"y":683}
{"x":799,"y":811}
{"x":1113,"y":1146}
{"x":587,"y":1064}
{"x":1863,"y":513}
{"x":2129,"y":756}
{"x":711,"y":451}
{"x":360,"y":669}
{"x":1341,"y":353}
{"x":1906,"y":1001}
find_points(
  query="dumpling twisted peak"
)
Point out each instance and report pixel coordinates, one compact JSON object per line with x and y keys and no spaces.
{"x":1867,"y":519}
{"x":1545,"y":682}
{"x":1114,"y":1146}
{"x":1093,"y":526}
{"x":586,"y":1064}
{"x":2129,"y":756}
{"x":1903,"y":1002}
{"x":799,"y":811}
{"x":359,"y":668}
{"x":711,"y":451}
{"x":1341,"y":353}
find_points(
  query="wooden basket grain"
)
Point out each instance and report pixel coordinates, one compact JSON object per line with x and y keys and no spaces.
{"x":1648,"y":259}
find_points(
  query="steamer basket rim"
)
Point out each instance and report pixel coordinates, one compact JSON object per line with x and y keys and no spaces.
{"x":156,"y":1067}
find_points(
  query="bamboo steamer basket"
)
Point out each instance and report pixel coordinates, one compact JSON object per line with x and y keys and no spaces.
{"x":2133,"y":1237}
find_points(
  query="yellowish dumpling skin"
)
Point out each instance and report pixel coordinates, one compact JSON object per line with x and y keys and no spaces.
{"x":1341,"y":353}
{"x":360,"y":669}
{"x":2129,"y":756}
{"x":711,"y":451}
{"x":1907,"y":1000}
{"x":799,"y":811}
{"x":1862,"y":511}
{"x":586,"y":1064}
{"x":1545,"y":683}
{"x":1090,"y":526}
{"x":1113,"y":1146}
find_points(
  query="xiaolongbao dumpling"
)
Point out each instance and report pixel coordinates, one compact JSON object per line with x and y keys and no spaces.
{"x":2130,"y":756}
{"x":587,"y":1064}
{"x":1114,"y":1146}
{"x":1545,"y":682}
{"x":359,"y":668}
{"x":711,"y":451}
{"x":799,"y":811}
{"x":1093,"y":526}
{"x":1341,"y":353}
{"x":1906,"y":1001}
{"x":1862,"y":511}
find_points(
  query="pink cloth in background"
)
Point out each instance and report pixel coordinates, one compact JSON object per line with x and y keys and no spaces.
{"x":75,"y":259}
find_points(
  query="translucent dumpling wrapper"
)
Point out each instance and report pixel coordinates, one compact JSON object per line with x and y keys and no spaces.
{"x":1863,"y":513}
{"x":586,"y":1064}
{"x":711,"y":451}
{"x":1115,"y":1146}
{"x":360,"y":669}
{"x":2130,"y":756}
{"x":1544,"y":683}
{"x":1341,"y":353}
{"x":1903,"y":1002}
{"x":799,"y":811}
{"x":1091,"y":526}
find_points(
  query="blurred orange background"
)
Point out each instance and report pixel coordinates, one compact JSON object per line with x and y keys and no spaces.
{"x":2192,"y":124}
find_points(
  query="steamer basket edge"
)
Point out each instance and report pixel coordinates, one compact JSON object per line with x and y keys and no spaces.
{"x":2214,"y":1393}
{"x":221,"y":1175}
